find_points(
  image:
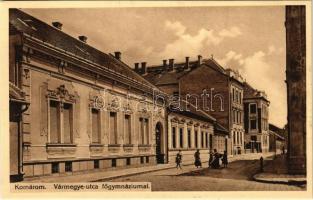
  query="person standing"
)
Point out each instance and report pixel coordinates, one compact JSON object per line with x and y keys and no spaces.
{"x":197,"y":159}
{"x":210,"y":158}
{"x":216,"y":160}
{"x":224,"y":159}
{"x":178,"y":159}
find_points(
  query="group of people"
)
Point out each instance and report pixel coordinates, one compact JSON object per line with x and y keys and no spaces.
{"x":214,"y":159}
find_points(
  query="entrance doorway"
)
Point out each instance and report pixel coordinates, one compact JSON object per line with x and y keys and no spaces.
{"x":159,"y":145}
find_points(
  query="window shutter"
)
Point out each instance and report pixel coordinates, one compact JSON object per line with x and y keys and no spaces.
{"x":43,"y":109}
{"x":76,"y":118}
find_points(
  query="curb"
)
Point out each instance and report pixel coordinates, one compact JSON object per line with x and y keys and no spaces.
{"x":130,"y":174}
{"x":287,"y":182}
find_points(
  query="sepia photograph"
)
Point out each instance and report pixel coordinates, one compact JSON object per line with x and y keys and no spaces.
{"x":170,"y":98}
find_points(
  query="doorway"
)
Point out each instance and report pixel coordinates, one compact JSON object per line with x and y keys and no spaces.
{"x":159,"y":144}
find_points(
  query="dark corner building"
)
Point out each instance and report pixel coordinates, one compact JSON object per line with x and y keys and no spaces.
{"x":296,"y":88}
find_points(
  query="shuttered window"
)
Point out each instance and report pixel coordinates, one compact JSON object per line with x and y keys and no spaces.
{"x":95,"y":115}
{"x":113,"y":128}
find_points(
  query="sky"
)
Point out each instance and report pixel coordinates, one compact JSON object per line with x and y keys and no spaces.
{"x":248,"y":39}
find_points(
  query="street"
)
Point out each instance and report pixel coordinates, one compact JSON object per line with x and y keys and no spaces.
{"x":237,"y":177}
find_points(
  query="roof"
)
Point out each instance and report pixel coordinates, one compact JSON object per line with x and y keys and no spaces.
{"x":277,"y":135}
{"x":251,"y":93}
{"x":280,"y":131}
{"x":38,"y":29}
{"x":159,"y":76}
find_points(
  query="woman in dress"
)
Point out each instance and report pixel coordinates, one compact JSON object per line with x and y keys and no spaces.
{"x":197,"y":159}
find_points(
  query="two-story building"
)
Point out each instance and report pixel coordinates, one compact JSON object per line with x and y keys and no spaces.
{"x":256,"y":119}
{"x":87,"y":109}
{"x":208,"y":86}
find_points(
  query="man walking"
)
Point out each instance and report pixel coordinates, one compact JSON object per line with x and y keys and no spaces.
{"x":178,"y":159}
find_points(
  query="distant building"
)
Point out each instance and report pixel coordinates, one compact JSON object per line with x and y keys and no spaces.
{"x":87,"y":110}
{"x":256,"y":119}
{"x":208,"y":86}
{"x":277,"y":139}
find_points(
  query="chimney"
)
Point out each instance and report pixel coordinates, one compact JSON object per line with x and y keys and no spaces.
{"x":164,"y":64}
{"x":171,"y":64}
{"x":117,"y":55}
{"x":187,"y":63}
{"x":137,"y":67}
{"x":199,"y":60}
{"x":57,"y":25}
{"x":143,"y":68}
{"x":82,"y":38}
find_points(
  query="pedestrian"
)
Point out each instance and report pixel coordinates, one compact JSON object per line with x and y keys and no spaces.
{"x":216,"y":160}
{"x":283,"y":150}
{"x":197,"y":159}
{"x":224,"y":159}
{"x":178,"y":159}
{"x":210,"y":158}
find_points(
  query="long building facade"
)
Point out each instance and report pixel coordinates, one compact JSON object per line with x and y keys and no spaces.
{"x":87,"y":110}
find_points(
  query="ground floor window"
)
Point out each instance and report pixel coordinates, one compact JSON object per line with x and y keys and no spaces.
{"x":61,"y":122}
{"x":181,"y":139}
{"x":196,"y":139}
{"x":55,"y":168}
{"x":174,"y":137}
{"x":189,"y":138}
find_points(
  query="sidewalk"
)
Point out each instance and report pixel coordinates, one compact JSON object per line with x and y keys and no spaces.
{"x":275,"y":171}
{"x":117,"y":173}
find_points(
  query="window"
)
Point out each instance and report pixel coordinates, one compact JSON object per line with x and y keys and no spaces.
{"x":196,"y":139}
{"x":95,"y":126}
{"x":127,"y":161}
{"x":240,"y":97}
{"x":233,"y":94}
{"x":253,"y":124}
{"x":127,"y":130}
{"x":211,"y":141}
{"x":61,"y":114}
{"x":237,"y":117}
{"x":147,"y":159}
{"x":181,"y":137}
{"x":207,"y":140}
{"x":144,"y":130}
{"x":96,"y":164}
{"x":68,"y":166}
{"x":113,"y":128}
{"x":55,"y":136}
{"x":55,"y":168}
{"x":237,"y":97}
{"x":67,"y":123}
{"x":142,"y":160}
{"x":253,"y":108}
{"x":189,"y":138}
{"x":113,"y":164}
{"x":234,"y":116}
{"x":174,"y":137}
{"x":202,"y":139}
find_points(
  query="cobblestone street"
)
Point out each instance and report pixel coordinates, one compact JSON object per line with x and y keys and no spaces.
{"x":237,"y":177}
